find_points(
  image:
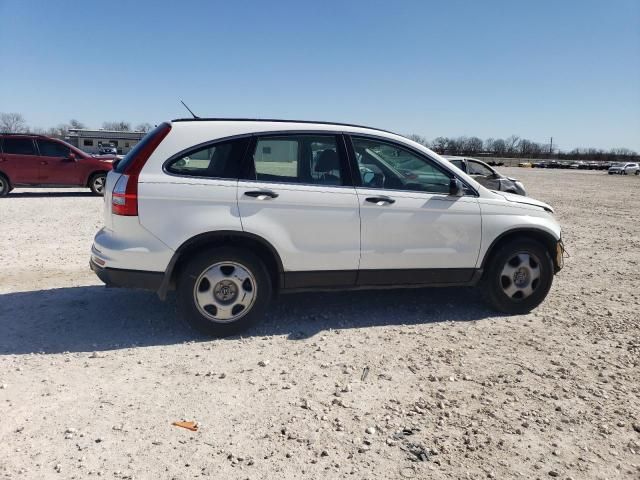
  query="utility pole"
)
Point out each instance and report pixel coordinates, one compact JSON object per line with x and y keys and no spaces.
{"x":551,"y":147}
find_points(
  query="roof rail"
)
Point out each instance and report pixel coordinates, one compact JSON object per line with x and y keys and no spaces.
{"x":199,"y":119}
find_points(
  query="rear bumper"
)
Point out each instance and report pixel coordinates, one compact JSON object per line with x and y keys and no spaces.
{"x":116,"y":277}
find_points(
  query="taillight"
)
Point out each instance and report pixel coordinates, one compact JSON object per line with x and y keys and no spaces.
{"x":124,"y":198}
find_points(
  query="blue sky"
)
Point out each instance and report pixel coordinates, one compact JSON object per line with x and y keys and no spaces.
{"x":567,"y":69}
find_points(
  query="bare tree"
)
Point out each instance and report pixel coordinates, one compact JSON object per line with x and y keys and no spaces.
{"x":12,"y":123}
{"x":144,"y":127}
{"x":499,"y":147}
{"x":488,"y":145}
{"x":439,"y":144}
{"x":418,"y":139}
{"x":511,"y":144}
{"x":73,"y":123}
{"x":117,"y":126}
{"x":473,"y":146}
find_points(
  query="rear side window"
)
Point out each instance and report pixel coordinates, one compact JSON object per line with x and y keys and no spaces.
{"x":219,"y":160}
{"x":19,"y":146}
{"x":308,"y":159}
{"x":52,"y":149}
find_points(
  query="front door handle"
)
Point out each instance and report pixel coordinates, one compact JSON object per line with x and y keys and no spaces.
{"x":381,"y":200}
{"x":261,"y":194}
{"x":44,"y":163}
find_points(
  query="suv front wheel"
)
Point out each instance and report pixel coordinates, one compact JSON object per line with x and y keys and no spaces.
{"x":223,"y":290}
{"x":518,"y":277}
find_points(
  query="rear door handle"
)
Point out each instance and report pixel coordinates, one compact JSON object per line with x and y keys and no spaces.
{"x":381,"y":200}
{"x":261,"y":194}
{"x":44,"y":163}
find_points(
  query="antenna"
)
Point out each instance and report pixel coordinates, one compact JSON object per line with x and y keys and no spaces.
{"x":185,"y":106}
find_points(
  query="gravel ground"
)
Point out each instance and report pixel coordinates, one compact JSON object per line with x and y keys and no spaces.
{"x":398,"y":384}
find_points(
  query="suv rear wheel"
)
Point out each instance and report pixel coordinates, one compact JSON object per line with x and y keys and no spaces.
{"x":518,"y":277}
{"x":223,"y":290}
{"x":5,"y":188}
{"x":97,"y":183}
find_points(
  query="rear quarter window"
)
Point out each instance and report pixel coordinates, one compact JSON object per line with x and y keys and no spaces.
{"x":214,"y":160}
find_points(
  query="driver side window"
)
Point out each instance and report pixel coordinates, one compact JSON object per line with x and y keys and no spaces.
{"x":389,"y":166}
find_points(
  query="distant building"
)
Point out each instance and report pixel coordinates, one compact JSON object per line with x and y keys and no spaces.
{"x":91,"y":141}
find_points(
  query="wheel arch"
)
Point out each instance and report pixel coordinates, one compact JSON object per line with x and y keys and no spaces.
{"x":258,"y":245}
{"x":548,"y":240}
{"x":6,"y":175}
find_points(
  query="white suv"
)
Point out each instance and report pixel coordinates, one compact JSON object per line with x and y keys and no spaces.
{"x":229,"y":212}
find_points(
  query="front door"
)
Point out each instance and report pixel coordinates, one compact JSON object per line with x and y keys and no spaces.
{"x":297,"y":194}
{"x":20,"y":160}
{"x":413,"y":231}
{"x":56,"y":166}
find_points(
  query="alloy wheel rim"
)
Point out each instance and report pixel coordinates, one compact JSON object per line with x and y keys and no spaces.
{"x":98,"y":184}
{"x":225,"y":292}
{"x":520,"y":276}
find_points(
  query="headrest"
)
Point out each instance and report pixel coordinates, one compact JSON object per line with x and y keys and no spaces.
{"x":328,"y":161}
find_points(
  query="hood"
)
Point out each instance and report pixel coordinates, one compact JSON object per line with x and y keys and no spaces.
{"x":512,"y":197}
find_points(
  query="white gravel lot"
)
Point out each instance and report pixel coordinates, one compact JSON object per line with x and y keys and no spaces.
{"x":92,"y":378}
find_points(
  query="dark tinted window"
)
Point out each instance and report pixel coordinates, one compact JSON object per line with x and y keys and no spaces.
{"x":53,"y":149}
{"x":309,"y":159}
{"x":220,"y":160}
{"x":18,"y":146}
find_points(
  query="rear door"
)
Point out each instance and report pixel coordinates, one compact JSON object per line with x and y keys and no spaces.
{"x":56,"y":168}
{"x":297,"y":194}
{"x":20,"y":160}
{"x":197,"y":190}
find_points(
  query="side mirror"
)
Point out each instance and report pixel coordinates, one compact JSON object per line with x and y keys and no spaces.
{"x":455,"y":187}
{"x":72,"y":157}
{"x":115,"y":163}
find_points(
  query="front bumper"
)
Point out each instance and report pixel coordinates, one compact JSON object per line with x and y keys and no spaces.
{"x":116,"y":277}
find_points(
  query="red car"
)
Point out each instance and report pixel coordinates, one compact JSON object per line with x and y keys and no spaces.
{"x":39,"y":161}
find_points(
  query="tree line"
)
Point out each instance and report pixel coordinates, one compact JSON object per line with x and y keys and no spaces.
{"x":517,"y":147}
{"x":16,"y":123}
{"x":510,"y":147}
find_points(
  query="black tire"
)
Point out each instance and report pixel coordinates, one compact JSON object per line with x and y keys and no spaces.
{"x":193,"y":271}
{"x":494,"y":282}
{"x":5,"y":186}
{"x":97,"y":183}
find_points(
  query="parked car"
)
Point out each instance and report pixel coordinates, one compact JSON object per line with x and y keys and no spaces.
{"x":486,"y":176}
{"x":229,"y":212}
{"x":495,"y":163}
{"x":624,"y":169}
{"x":539,"y":165}
{"x":40,"y":161}
{"x":108,"y":150}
